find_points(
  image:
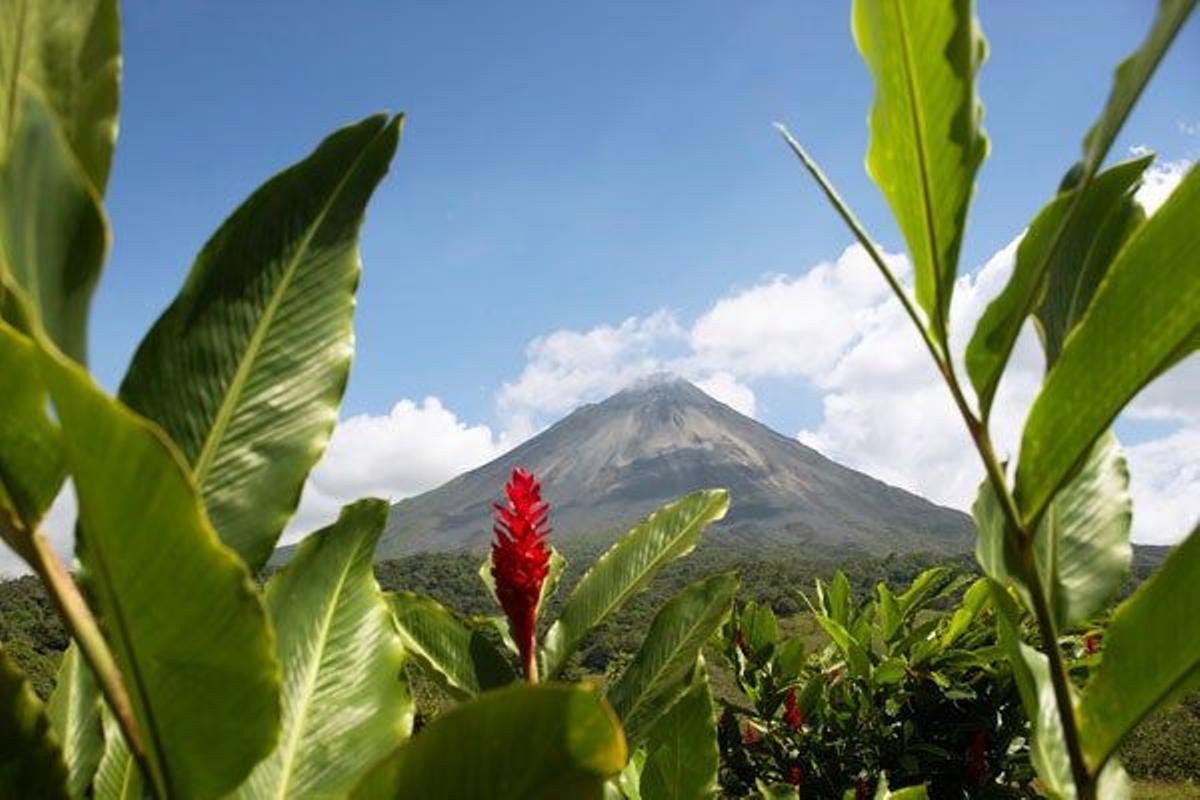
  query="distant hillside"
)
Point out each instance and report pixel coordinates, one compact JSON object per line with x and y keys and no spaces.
{"x":607,"y":464}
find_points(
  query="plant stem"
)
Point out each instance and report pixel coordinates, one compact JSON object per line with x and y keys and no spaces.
{"x":531,"y":665}
{"x":86,"y":632}
{"x":1049,"y":633}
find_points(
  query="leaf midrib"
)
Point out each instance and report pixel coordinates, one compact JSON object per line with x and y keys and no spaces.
{"x":249,"y":357}
{"x":289,"y":751}
{"x":918,"y":123}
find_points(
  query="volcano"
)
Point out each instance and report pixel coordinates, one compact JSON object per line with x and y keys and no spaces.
{"x":607,"y":464}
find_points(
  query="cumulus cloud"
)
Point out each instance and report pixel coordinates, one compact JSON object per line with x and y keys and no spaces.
{"x":413,"y":448}
{"x":1159,"y":181}
{"x":730,"y":391}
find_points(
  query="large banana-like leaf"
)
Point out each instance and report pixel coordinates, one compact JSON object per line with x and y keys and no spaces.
{"x":682,"y":751}
{"x":74,"y":710}
{"x":1144,"y":312}
{"x":117,"y":776}
{"x":31,"y":467}
{"x":69,"y":52}
{"x":31,"y":763}
{"x":345,"y":704}
{"x":1151,"y":651}
{"x":1048,"y":269}
{"x":519,"y":743}
{"x":459,"y":657}
{"x":927,"y":140}
{"x":246,"y":368}
{"x":53,"y":234}
{"x":659,"y":672}
{"x":667,"y":534}
{"x":178,"y":608}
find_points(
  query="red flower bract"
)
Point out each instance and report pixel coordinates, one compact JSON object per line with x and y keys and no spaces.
{"x":521,"y":560}
{"x":791,"y":710}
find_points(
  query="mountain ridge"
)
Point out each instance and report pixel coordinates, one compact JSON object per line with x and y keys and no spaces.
{"x":607,"y":464}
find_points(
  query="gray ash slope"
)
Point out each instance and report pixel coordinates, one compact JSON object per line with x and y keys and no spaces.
{"x":608,"y":464}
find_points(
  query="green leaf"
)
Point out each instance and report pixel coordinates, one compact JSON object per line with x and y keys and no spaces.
{"x":926,"y":138}
{"x":178,"y":608}
{"x":1145,"y":310}
{"x":31,"y":764}
{"x":683,"y":755}
{"x":118,"y":776}
{"x":790,"y":658}
{"x":345,"y":705}
{"x":1031,"y":671}
{"x":246,"y":369}
{"x":522,"y":742}
{"x":659,"y":672}
{"x":1131,"y":77}
{"x":838,"y":598}
{"x":854,"y":653}
{"x":53,"y":234}
{"x":74,"y":711}
{"x":776,"y":791}
{"x":1083,"y":539}
{"x":629,"y":782}
{"x":975,"y":599}
{"x":1151,"y":650}
{"x":461,"y":658}
{"x":667,"y":534}
{"x":890,"y":670}
{"x":884,"y":792}
{"x":70,"y":52}
{"x":1048,"y":270}
{"x":31,"y":466}
{"x":929,"y":585}
{"x":889,"y":612}
{"x":759,"y":627}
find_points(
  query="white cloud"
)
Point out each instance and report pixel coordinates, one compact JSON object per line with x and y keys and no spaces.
{"x":1165,"y":483}
{"x":730,"y":391}
{"x":410,"y":450}
{"x":1159,"y":181}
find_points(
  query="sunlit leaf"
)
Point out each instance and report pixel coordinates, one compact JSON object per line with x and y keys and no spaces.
{"x":118,"y":776}
{"x":1146,"y":309}
{"x":660,"y":670}
{"x":926,"y":136}
{"x":178,"y":608}
{"x":246,"y":369}
{"x":458,"y":656}
{"x":682,"y":752}
{"x":667,"y":534}
{"x":74,"y":710}
{"x":345,"y":705}
{"x":523,"y":742}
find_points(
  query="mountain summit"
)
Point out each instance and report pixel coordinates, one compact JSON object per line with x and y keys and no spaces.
{"x":608,"y":464}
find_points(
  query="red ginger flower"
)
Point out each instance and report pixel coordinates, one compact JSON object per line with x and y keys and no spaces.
{"x":521,"y":560}
{"x":750,"y":734}
{"x":791,"y":711}
{"x":795,"y":776}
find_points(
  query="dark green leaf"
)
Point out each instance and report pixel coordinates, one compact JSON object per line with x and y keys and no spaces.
{"x":1151,"y":650}
{"x":1145,"y":310}
{"x":926,"y":138}
{"x":460,"y":657}
{"x":345,"y":705}
{"x":178,"y":608}
{"x":543,"y":742}
{"x":31,"y":764}
{"x":53,"y":235}
{"x":69,"y":51}
{"x":659,"y":672}
{"x":1048,"y":270}
{"x":667,"y":534}
{"x":683,"y":756}
{"x":31,"y":468}
{"x":246,"y":369}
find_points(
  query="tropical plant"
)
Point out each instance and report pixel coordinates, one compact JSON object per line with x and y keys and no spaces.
{"x":184,"y":677}
{"x":1114,"y":296}
{"x":661,"y":696}
{"x":904,"y":687}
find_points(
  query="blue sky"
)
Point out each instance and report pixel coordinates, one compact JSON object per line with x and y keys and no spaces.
{"x":568,"y":166}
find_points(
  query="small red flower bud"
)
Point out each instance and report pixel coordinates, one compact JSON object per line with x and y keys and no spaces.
{"x":1092,"y":644}
{"x":791,"y":711}
{"x":977,"y":756}
{"x":521,"y":560}
{"x":749,"y":734}
{"x":795,"y":776}
{"x":740,"y":638}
